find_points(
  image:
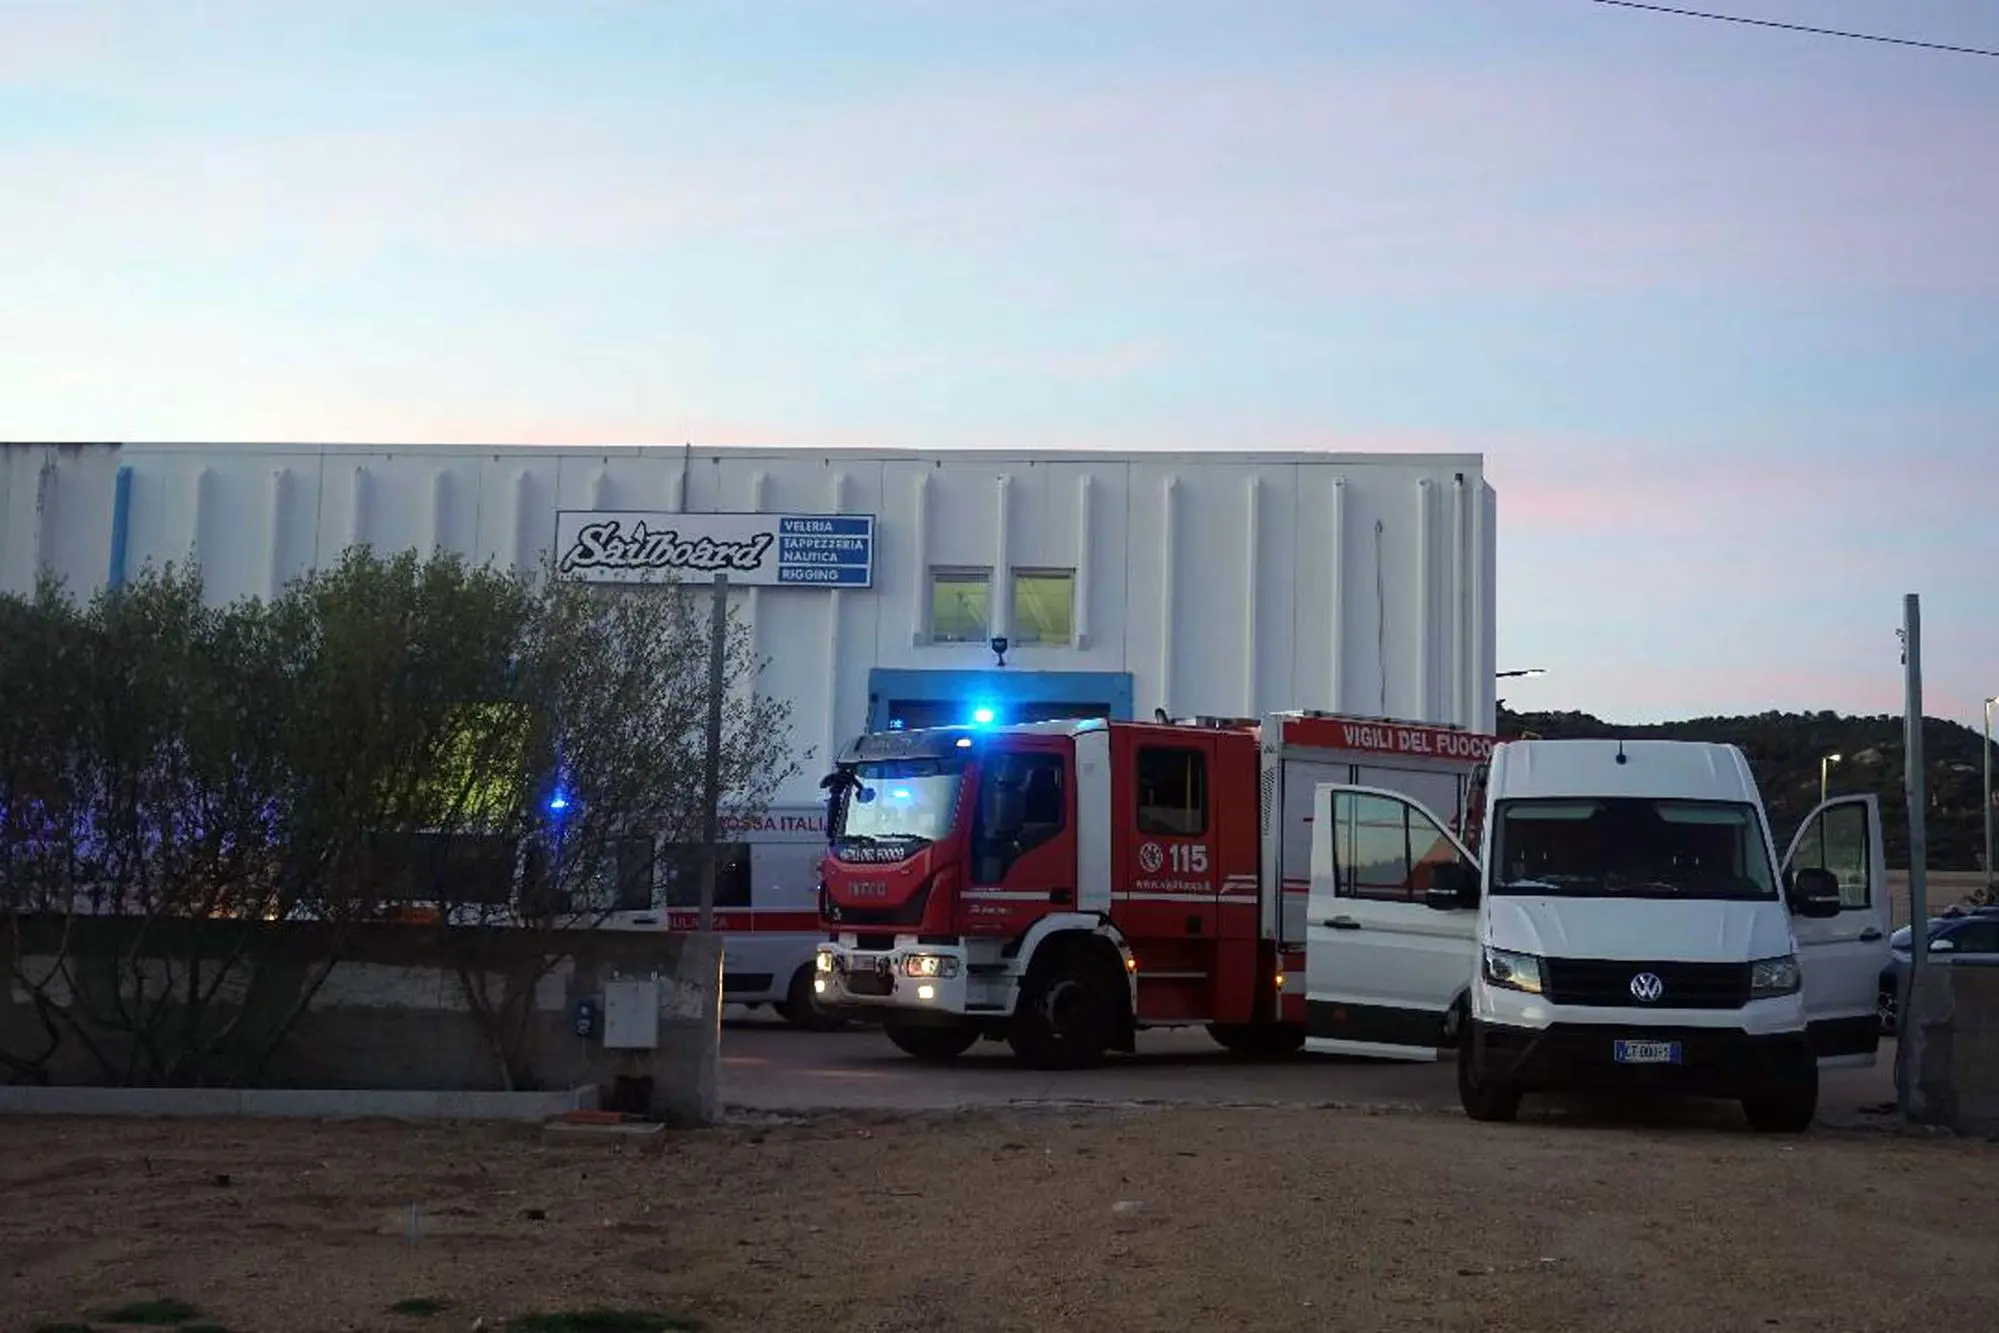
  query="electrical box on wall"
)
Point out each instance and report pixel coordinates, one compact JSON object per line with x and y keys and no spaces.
{"x":631,"y":1015}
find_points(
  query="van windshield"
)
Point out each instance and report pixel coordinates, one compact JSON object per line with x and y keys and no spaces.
{"x":1631,"y":847}
{"x":898,"y":800}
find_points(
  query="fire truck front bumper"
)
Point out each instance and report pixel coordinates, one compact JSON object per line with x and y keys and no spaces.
{"x":913,"y":979}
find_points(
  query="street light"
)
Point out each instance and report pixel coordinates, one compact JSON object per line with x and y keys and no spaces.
{"x":1826,"y":764}
{"x":1991,"y":880}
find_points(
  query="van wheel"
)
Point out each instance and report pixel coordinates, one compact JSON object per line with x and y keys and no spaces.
{"x":1789,"y":1112}
{"x":800,"y":1007}
{"x":1070,"y":1009}
{"x":1482,"y":1100}
{"x":932,"y":1045}
{"x":1260,"y":1040}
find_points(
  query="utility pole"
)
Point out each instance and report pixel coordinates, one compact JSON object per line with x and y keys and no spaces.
{"x":711,"y":767}
{"x":1908,"y":1031}
{"x":1916,"y":787}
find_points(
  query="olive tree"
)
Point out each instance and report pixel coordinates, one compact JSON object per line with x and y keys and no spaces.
{"x":594,"y":771}
{"x":502,"y":755}
{"x":45,"y":781}
{"x":142,"y":767}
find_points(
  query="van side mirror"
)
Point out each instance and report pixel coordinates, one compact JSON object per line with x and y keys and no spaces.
{"x":1815,"y":893}
{"x":1453,"y":887}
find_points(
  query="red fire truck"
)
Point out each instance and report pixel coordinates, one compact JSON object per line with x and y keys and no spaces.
{"x":1061,"y":885}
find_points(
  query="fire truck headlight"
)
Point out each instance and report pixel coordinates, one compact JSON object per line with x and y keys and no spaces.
{"x":822,"y":960}
{"x":930,"y":965}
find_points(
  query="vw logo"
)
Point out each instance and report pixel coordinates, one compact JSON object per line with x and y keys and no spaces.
{"x":1646,"y":987}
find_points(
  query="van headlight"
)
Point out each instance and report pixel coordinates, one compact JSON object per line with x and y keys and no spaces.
{"x":1514,"y":971}
{"x":929,"y":965}
{"x":1771,"y":977}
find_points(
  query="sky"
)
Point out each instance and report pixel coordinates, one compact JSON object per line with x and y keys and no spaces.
{"x":1719,"y":305}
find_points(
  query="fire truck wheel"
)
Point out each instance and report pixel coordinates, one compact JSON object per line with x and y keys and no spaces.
{"x":1261,"y":1040}
{"x":800,"y":1009}
{"x":933,"y":1045}
{"x":1069,"y":1011}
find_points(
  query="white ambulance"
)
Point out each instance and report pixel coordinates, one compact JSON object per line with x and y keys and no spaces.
{"x":766,"y":906}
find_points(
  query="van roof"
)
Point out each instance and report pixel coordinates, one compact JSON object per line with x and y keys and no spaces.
{"x":1694,"y":770}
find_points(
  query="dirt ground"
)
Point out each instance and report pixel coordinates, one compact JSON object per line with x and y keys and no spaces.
{"x":1087,"y":1220}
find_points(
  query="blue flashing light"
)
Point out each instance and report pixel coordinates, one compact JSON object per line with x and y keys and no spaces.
{"x":983,"y":716}
{"x":558,"y":803}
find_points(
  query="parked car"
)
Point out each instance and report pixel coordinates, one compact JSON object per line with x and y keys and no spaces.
{"x":1955,"y":933}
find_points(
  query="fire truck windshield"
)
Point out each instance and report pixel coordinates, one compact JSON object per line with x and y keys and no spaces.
{"x":898,"y":800}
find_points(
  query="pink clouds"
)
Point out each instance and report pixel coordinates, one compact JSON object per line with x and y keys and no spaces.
{"x":1607,"y":484}
{"x":37,"y":41}
{"x":1717,"y":687}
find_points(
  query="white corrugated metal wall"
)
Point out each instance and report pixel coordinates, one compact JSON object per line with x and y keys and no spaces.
{"x":1222,"y":583}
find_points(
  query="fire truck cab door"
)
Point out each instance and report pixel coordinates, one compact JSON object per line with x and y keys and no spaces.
{"x":1383,"y":968}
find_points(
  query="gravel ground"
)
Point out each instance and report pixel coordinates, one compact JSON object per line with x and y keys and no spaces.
{"x":1089,"y":1220}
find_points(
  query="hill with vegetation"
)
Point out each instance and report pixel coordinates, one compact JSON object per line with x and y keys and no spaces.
{"x":1784,"y":750}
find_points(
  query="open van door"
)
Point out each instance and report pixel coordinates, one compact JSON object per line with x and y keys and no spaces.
{"x":1391,"y":926}
{"x":1842,"y":956}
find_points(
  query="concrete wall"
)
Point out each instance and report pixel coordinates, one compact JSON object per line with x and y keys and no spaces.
{"x":390,"y":1015}
{"x":1950,"y":1064}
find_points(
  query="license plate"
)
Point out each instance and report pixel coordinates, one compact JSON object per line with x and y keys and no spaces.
{"x":1646,"y":1052}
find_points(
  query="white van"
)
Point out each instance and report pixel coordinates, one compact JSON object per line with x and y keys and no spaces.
{"x":1632,"y":928}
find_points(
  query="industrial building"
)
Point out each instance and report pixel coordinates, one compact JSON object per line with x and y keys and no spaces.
{"x":1211,"y":583}
{"x":887,"y":589}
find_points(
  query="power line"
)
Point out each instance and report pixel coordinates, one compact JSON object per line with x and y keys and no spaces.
{"x":1801,"y":27}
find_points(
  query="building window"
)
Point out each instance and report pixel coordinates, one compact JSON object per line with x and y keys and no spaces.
{"x":680,"y":865}
{"x":960,"y":605}
{"x":1172,"y":792}
{"x":1044,"y":606}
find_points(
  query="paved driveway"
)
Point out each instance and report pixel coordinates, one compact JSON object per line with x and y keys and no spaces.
{"x":769,"y":1067}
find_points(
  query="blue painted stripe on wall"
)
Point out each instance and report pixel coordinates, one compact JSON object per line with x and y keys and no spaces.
{"x":121,"y":525}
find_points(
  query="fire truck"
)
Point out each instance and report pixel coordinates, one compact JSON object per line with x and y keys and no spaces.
{"x":1061,"y":885}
